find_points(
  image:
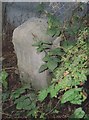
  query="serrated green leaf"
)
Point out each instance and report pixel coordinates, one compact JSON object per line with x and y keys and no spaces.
{"x":17,"y":93}
{"x":68,"y":44}
{"x":3,"y":80}
{"x":47,"y":42}
{"x":52,"y":91}
{"x":32,"y":95}
{"x":3,"y":75}
{"x":26,"y":103}
{"x":23,"y":103}
{"x":19,"y":106}
{"x":21,"y":99}
{"x":78,"y":113}
{"x":46,"y":58}
{"x":43,"y":68}
{"x":51,"y":31}
{"x":52,"y":64}
{"x":71,"y":96}
{"x":56,"y":51}
{"x":42,"y":95}
{"x":40,"y":49}
{"x":45,"y":47}
{"x":32,"y":105}
{"x":32,"y":113}
{"x":37,"y":44}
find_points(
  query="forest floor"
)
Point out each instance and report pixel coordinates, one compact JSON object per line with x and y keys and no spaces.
{"x":10,"y":65}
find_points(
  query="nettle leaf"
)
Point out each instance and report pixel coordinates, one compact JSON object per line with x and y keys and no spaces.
{"x":49,"y":58}
{"x":3,"y":80}
{"x":78,"y":113}
{"x":42,"y":95}
{"x":67,"y":82}
{"x":47,"y":42}
{"x":40,"y":49}
{"x":72,"y":96}
{"x":23,"y":103}
{"x":26,"y":103}
{"x":19,"y":99}
{"x":56,"y":51}
{"x":3,"y":75}
{"x":32,"y":95}
{"x":33,"y":113}
{"x":44,"y":46}
{"x":52,"y":91}
{"x":37,"y":44}
{"x":46,"y":58}
{"x":17,"y":93}
{"x":51,"y":31}
{"x":68,"y":44}
{"x":19,"y":106}
{"x":55,"y":59}
{"x":52,"y":65}
{"x":43,"y":68}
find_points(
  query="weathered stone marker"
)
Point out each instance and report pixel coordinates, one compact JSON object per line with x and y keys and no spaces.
{"x":29,"y":61}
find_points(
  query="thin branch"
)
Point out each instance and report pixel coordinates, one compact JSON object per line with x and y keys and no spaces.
{"x":10,"y":68}
{"x":5,"y":114}
{"x":8,"y":107}
{"x":53,"y":108}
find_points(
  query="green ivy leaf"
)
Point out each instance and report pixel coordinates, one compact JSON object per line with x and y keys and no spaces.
{"x":52,"y":65}
{"x":43,"y":68}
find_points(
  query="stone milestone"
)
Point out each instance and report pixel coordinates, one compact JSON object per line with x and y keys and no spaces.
{"x":29,"y":60}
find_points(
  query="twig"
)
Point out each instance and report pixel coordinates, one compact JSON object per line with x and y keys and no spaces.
{"x":10,"y":68}
{"x":6,"y":114}
{"x":8,"y":107}
{"x":53,"y":108}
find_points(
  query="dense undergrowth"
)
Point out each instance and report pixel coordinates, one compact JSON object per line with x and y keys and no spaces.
{"x":68,"y":64}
